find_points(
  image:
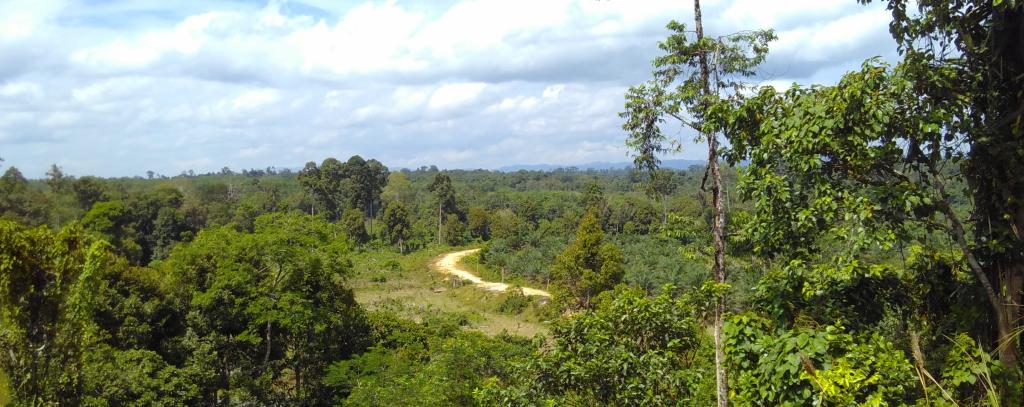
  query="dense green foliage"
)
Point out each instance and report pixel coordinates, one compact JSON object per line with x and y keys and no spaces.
{"x":631,"y":349}
{"x":588,"y":265}
{"x":872,"y":234}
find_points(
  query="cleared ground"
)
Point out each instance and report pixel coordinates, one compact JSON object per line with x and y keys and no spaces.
{"x":409,"y":286}
{"x":449,"y":264}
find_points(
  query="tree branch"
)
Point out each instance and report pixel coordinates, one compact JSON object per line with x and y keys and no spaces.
{"x":957,"y":230}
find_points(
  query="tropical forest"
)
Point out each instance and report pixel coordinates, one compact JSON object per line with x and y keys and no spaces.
{"x":856,"y":240}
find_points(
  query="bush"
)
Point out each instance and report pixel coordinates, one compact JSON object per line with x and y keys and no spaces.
{"x":515,"y":301}
{"x":630,"y":350}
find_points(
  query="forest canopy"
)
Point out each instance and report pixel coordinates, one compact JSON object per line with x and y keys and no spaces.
{"x":854,"y":243}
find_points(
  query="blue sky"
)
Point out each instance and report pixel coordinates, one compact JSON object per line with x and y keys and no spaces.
{"x":117,"y":88}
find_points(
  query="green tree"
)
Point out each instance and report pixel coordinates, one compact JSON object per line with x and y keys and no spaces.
{"x":397,"y":227}
{"x":630,"y":350}
{"x":661,"y":184}
{"x":399,"y":188}
{"x":444,"y":195}
{"x":20,"y":202}
{"x":268,"y":310}
{"x":112,"y":222}
{"x":326,"y":183}
{"x":453,"y":230}
{"x":46,"y":284}
{"x":588,"y":265}
{"x":433,"y":363}
{"x":820,"y":366}
{"x":697,"y":83}
{"x":889,"y":152}
{"x":477,"y":219}
{"x":134,"y":377}
{"x":364,"y":181}
{"x":88,"y":190}
{"x":505,"y":224}
{"x":355,"y":227}
{"x":593,"y":197}
{"x":56,"y":179}
{"x":970,"y":110}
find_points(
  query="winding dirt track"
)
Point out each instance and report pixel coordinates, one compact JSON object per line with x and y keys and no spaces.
{"x":449,"y":264}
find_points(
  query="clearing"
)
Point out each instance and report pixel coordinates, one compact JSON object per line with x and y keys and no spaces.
{"x":414,"y":287}
{"x":449,"y":264}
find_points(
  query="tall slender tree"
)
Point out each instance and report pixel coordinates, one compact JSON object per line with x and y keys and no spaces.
{"x":444,"y":193}
{"x":661,"y":184}
{"x":364,"y":180}
{"x":697,"y":82}
{"x":396,"y":224}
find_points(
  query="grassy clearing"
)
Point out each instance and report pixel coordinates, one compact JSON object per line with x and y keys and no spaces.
{"x":408,"y":286}
{"x":472,"y":264}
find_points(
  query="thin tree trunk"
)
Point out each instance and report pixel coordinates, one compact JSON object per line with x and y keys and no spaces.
{"x":438,"y":224}
{"x":1012,"y":277}
{"x":266,"y":353}
{"x":369,"y":214}
{"x":1005,"y":311}
{"x":717,"y":223}
{"x":664,"y":210}
{"x":298,"y":383}
{"x":226,"y":377}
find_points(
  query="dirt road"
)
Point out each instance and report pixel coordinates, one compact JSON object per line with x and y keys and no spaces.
{"x":449,"y":264}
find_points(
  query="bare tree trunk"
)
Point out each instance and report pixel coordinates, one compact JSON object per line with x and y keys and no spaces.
{"x":717,"y":223}
{"x":438,"y":224}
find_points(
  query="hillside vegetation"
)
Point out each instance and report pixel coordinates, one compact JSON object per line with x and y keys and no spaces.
{"x":850,"y":244}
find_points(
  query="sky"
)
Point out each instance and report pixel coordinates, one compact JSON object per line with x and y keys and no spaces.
{"x":118,"y":88}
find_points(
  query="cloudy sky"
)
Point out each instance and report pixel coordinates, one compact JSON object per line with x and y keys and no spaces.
{"x":121,"y":87}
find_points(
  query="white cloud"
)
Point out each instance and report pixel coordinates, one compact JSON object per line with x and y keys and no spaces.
{"x":455,"y":95}
{"x":521,"y":103}
{"x":20,"y":19}
{"x":29,"y":90}
{"x":759,"y":14}
{"x":254,"y":99}
{"x":120,"y":87}
{"x":829,"y":40}
{"x":552,"y":91}
{"x":60,"y":119}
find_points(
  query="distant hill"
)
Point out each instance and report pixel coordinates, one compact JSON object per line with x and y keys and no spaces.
{"x":600,"y":165}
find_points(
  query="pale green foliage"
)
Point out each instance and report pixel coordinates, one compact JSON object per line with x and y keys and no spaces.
{"x":399,"y":189}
